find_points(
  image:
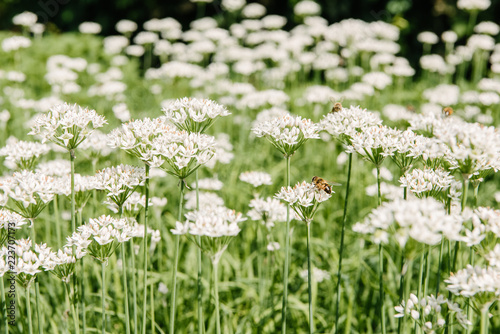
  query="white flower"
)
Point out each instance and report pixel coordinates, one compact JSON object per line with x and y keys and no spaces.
{"x":120,"y":182}
{"x":269,"y":211}
{"x":25,"y":19}
{"x":67,"y":125}
{"x":306,"y":8}
{"x":287,"y":133}
{"x":471,"y":5}
{"x":473,"y":281}
{"x":23,"y":154}
{"x":427,"y":37}
{"x":15,"y":43}
{"x":256,"y":179}
{"x":89,"y":28}
{"x":126,"y":26}
{"x":424,"y":220}
{"x":194,"y":115}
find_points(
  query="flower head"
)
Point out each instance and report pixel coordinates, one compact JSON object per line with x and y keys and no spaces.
{"x":194,"y":115}
{"x":67,"y":125}
{"x":304,"y":198}
{"x":287,"y":133}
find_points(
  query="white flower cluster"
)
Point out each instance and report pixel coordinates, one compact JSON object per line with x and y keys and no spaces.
{"x":96,"y":145}
{"x":30,"y":191}
{"x":216,"y":225}
{"x":256,"y":179}
{"x":120,"y":182}
{"x":484,"y":230}
{"x":473,"y":5}
{"x":207,"y":200}
{"x":100,"y":237}
{"x":287,"y":133}
{"x":474,"y":148}
{"x":9,"y":220}
{"x":408,"y":147}
{"x":347,"y":122}
{"x":428,"y":182}
{"x":23,"y":154}
{"x":67,"y":125}
{"x":374,"y":143}
{"x":423,"y":220}
{"x":15,"y":43}
{"x":136,"y":138}
{"x":194,"y":115}
{"x":212,"y":222}
{"x":209,"y":184}
{"x":183,"y":152}
{"x":268,"y":211}
{"x":480,"y":283}
{"x":427,"y":312}
{"x":304,"y":198}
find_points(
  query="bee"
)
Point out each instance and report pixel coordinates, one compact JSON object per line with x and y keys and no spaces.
{"x":321,"y":184}
{"x":337,"y":105}
{"x":447,"y":111}
{"x":410,"y":108}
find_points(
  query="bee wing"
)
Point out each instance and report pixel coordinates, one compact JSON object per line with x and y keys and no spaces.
{"x":336,"y":184}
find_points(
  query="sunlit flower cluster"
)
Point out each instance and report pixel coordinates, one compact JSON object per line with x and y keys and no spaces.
{"x":67,"y":125}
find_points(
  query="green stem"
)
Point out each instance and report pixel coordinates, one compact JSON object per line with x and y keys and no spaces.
{"x":439,"y":266}
{"x":472,"y":22}
{"x":37,"y":301}
{"x":103,"y":294}
{"x":145,"y":259}
{"x":341,"y":251}
{"x":409,"y":275}
{"x":401,"y":287}
{"x":134,"y":283}
{"x":55,"y":203}
{"x":427,"y":269}
{"x":216,"y":292}
{"x":379,"y":195}
{"x":464,"y":191}
{"x":198,"y":260}
{"x":73,"y":211}
{"x":475,"y":189}
{"x":72,"y":308}
{"x":82,"y":296}
{"x":484,"y":320}
{"x":4,"y":306}
{"x":28,"y":306}
{"x":125,"y":286}
{"x":309,"y":281}
{"x":176,"y":263}
{"x":287,"y":250}
{"x":152,"y":305}
{"x":381,"y":285}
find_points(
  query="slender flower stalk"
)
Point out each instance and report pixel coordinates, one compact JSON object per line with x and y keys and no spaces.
{"x":199,"y":263}
{"x":134,"y":284}
{"x":72,"y":308}
{"x":145,"y":259}
{"x":287,"y":252}
{"x":216,"y":225}
{"x":309,"y":280}
{"x":304,"y":198}
{"x":28,"y":307}
{"x":176,"y":262}
{"x":341,"y":250}
{"x":216,"y":292}
{"x":103,"y":296}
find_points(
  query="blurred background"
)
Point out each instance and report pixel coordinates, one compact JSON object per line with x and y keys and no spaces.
{"x":411,"y":16}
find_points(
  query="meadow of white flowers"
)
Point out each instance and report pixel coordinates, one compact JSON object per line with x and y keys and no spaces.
{"x":159,"y":180}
